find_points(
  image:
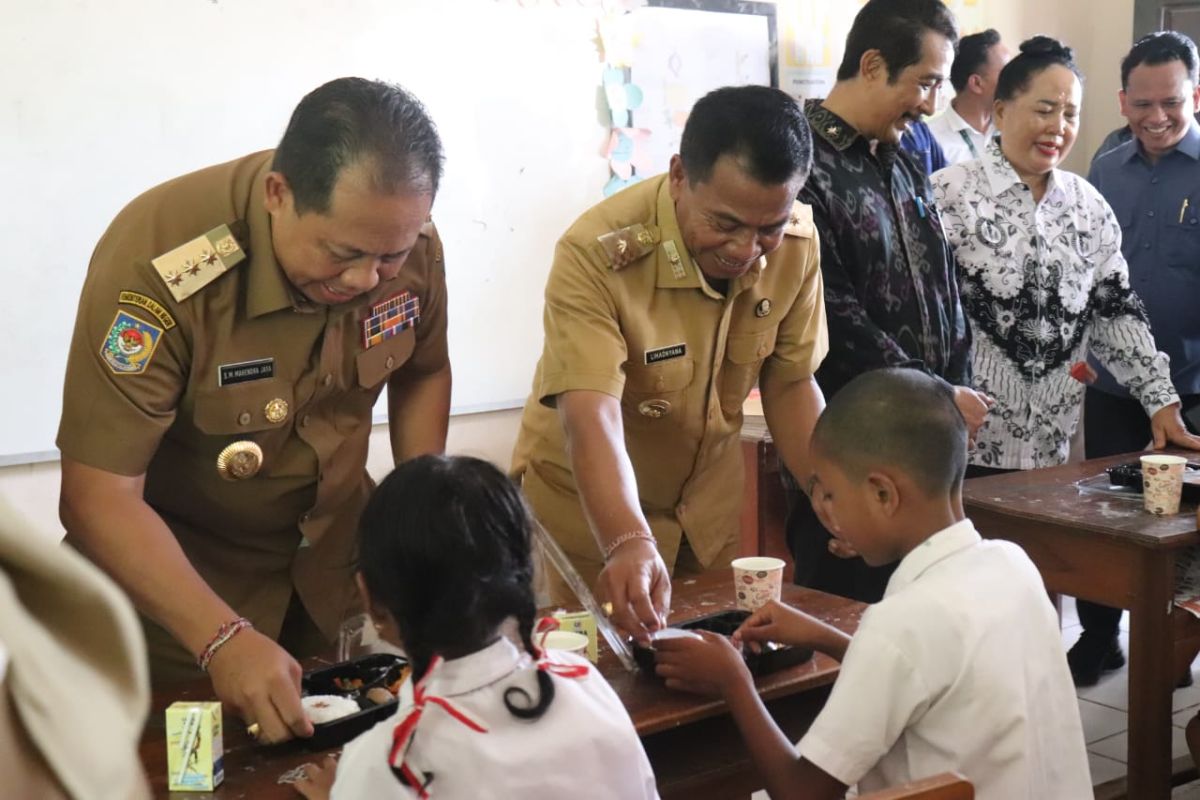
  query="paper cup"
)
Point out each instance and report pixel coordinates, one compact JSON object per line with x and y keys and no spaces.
{"x":568,"y":641}
{"x":1162,"y":483}
{"x":757,"y":580}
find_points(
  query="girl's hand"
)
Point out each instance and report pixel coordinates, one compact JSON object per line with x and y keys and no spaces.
{"x":318,"y":780}
{"x":709,"y":666}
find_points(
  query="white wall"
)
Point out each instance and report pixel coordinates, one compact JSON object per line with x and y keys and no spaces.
{"x":1100,"y":30}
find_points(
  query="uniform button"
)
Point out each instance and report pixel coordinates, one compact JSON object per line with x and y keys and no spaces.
{"x":762,"y":351}
{"x":391,"y":362}
{"x":244,"y":418}
{"x":304,"y":420}
{"x":1154,"y":180}
{"x":1146,"y":246}
{"x":327,"y":380}
{"x":1149,"y":213}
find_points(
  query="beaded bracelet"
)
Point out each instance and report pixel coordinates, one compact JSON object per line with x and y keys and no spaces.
{"x":224,"y":634}
{"x":612,"y":546}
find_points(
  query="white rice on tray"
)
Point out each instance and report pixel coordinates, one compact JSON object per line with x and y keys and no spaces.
{"x":322,"y":708}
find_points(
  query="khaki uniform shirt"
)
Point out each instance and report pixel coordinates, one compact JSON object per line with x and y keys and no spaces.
{"x":73,"y":663}
{"x":171,"y":413}
{"x":629,"y":314}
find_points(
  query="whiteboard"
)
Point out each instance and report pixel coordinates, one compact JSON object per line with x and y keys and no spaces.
{"x":102,"y":99}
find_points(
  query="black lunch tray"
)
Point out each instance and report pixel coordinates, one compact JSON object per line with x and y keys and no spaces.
{"x":773,"y":657}
{"x":378,"y":669}
{"x":1129,"y":475}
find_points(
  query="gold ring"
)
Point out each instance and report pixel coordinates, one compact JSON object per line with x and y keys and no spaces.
{"x":252,"y":730}
{"x":607,"y":608}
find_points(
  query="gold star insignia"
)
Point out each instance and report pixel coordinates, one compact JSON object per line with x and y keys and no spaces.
{"x":191,"y":267}
{"x":208,"y":258}
{"x":174,"y":278}
{"x":832,"y":130}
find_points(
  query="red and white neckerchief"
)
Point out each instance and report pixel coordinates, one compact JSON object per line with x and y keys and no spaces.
{"x":402,"y":736}
{"x":544,"y":626}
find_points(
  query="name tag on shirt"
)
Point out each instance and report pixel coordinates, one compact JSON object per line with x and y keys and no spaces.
{"x":666,"y":353}
{"x":244,"y":371}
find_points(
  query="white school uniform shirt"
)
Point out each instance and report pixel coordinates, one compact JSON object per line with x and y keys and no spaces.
{"x":583,"y":746}
{"x":960,"y":142}
{"x":959,"y":667}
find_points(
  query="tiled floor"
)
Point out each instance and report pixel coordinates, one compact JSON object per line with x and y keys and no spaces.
{"x":1104,"y":707}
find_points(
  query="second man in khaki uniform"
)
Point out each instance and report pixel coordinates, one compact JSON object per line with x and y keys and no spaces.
{"x":665,"y":304}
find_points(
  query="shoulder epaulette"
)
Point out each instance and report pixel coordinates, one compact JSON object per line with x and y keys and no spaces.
{"x":620,"y":248}
{"x":190,"y":267}
{"x":800,"y":221}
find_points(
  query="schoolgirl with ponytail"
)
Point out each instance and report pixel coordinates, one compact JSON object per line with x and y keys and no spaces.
{"x":445,"y":569}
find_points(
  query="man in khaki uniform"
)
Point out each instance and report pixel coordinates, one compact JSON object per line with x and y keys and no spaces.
{"x":236,"y":327}
{"x":665,"y":304}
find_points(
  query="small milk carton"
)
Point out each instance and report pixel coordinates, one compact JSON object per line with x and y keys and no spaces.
{"x":580,"y":622}
{"x":195,"y":749}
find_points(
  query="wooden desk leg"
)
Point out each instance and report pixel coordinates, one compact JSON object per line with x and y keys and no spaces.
{"x":1151,"y":678}
{"x":750,"y":537}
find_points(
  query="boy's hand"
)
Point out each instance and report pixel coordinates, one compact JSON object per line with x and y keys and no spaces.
{"x":776,"y":622}
{"x":318,"y":780}
{"x":708,"y":666}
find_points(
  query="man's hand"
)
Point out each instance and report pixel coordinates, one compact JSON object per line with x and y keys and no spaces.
{"x":317,"y":782}
{"x":1168,"y":428}
{"x":635,"y":580}
{"x":261,"y":682}
{"x":710,"y":666}
{"x":776,"y":622}
{"x":974,"y":407}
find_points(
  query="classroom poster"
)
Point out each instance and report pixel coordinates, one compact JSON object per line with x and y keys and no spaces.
{"x":680,"y":55}
{"x":812,"y":39}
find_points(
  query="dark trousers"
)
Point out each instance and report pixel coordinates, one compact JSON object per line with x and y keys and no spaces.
{"x":819,"y":569}
{"x":1114,"y":425}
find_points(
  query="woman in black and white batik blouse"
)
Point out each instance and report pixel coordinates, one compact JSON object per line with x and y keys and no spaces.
{"x":1041,"y":271}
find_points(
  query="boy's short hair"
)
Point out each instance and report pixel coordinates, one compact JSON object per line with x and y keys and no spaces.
{"x":899,"y":418}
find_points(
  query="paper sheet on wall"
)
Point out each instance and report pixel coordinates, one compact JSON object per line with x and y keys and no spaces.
{"x":679,"y":55}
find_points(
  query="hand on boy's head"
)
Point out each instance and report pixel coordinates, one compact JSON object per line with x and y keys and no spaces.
{"x":709,"y":666}
{"x":635,"y":580}
{"x":261,"y":681}
{"x":776,"y":622}
{"x":317,"y":782}
{"x":974,"y":407}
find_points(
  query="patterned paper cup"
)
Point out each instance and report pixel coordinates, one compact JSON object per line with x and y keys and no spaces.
{"x":757,"y":580}
{"x":1162,"y":483}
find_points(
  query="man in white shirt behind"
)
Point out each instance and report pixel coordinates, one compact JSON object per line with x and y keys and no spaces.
{"x":965,"y":128}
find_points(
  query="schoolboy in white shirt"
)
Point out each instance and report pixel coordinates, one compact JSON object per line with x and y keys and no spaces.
{"x":960,"y":665}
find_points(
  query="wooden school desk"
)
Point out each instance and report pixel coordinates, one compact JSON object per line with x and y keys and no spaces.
{"x":691,"y":741}
{"x":1108,"y":550}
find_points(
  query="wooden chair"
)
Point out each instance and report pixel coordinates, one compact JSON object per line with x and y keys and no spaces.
{"x":947,"y":786}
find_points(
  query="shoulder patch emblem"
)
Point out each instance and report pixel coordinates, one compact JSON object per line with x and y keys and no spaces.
{"x":800,"y":221}
{"x":190,"y":267}
{"x":623,"y":247}
{"x":150,"y":304}
{"x":129,"y":344}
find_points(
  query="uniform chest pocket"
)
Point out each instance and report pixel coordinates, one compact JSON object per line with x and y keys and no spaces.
{"x":744,"y":354}
{"x":244,"y":408}
{"x":376,"y":363}
{"x":1181,"y":245}
{"x":658,"y":390}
